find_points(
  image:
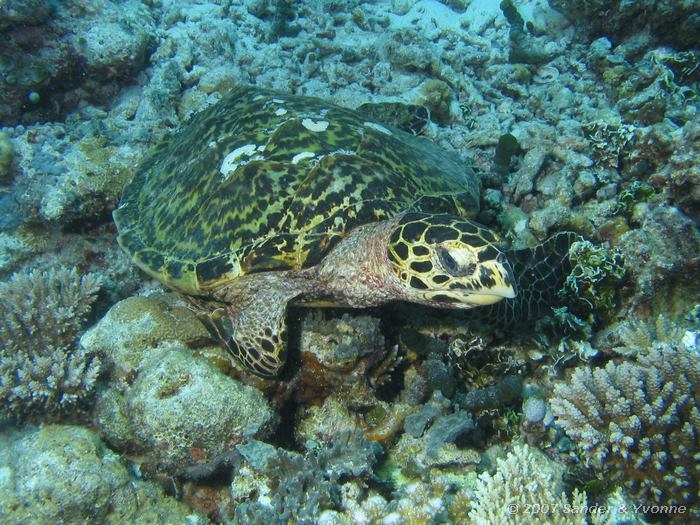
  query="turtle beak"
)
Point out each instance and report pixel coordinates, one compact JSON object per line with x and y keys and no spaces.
{"x":497,"y":282}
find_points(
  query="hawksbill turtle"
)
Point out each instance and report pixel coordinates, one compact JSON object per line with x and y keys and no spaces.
{"x":268,"y":199}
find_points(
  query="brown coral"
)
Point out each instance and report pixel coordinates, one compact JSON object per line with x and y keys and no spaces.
{"x":640,"y":422}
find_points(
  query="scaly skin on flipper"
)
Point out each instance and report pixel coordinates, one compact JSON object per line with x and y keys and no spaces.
{"x":252,"y":323}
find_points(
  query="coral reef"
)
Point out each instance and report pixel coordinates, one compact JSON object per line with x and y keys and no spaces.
{"x":42,"y":370}
{"x":589,"y":125}
{"x":298,"y":488}
{"x":673,"y":23}
{"x":639,"y":423}
{"x":164,"y":400}
{"x":65,"y":474}
{"x":523,"y":482}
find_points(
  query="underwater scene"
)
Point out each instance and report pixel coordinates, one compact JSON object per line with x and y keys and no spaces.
{"x":349,"y":262}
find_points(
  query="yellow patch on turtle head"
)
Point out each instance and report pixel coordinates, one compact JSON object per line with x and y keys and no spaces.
{"x":445,"y":260}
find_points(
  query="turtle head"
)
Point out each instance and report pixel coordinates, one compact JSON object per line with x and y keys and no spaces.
{"x":449,"y":261}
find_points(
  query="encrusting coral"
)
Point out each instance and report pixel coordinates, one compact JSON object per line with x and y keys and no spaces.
{"x":302,"y":486}
{"x":41,"y":368}
{"x":639,"y":423}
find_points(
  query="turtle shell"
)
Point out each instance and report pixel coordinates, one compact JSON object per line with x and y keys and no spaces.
{"x":264,"y":181}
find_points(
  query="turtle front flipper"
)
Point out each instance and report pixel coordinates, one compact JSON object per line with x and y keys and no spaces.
{"x":253,"y":327}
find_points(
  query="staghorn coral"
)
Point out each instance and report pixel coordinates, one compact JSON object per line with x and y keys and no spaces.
{"x":41,"y":368}
{"x":639,"y":422}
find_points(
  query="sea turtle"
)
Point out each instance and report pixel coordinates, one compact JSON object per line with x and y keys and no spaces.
{"x":266,"y":199}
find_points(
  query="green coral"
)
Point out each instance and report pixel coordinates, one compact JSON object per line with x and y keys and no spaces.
{"x":637,"y":192}
{"x":609,"y":141}
{"x":7,"y":155}
{"x":593,"y":282}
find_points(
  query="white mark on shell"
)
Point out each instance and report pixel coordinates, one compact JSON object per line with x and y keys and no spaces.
{"x":319,"y":125}
{"x":233,"y":159}
{"x":280,"y":111}
{"x":301,"y":156}
{"x":379,"y":128}
{"x":278,"y":101}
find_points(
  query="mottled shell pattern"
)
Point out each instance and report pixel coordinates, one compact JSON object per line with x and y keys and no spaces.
{"x":265,"y":182}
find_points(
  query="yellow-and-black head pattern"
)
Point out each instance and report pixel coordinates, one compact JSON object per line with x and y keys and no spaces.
{"x":449,"y":261}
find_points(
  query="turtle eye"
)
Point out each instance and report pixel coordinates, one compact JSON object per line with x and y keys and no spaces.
{"x":451,"y":266}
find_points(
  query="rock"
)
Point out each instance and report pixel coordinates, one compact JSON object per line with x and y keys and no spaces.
{"x":534,"y":409}
{"x":416,"y":423}
{"x":180,"y":409}
{"x":163,"y":399}
{"x":23,"y":12}
{"x":439,"y":376}
{"x":447,"y":429}
{"x":662,"y":251}
{"x":505,"y":391}
{"x":117,"y":42}
{"x":65,"y":474}
{"x":138,"y":323}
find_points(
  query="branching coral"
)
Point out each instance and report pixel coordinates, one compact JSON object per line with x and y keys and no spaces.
{"x":639,"y":423}
{"x":524,"y":490}
{"x":41,"y":315}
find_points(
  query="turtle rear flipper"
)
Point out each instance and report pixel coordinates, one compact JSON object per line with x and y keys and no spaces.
{"x":540,"y":274}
